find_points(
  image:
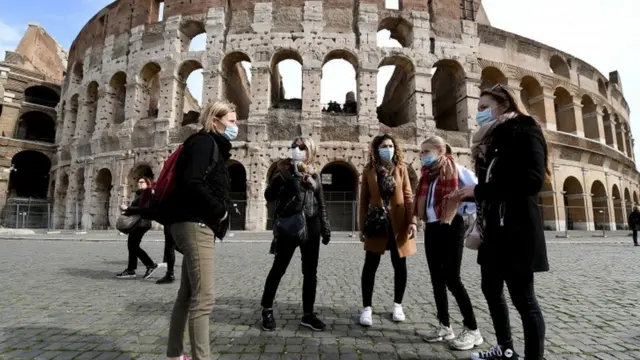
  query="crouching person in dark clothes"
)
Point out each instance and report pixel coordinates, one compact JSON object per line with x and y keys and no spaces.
{"x":297,"y":191}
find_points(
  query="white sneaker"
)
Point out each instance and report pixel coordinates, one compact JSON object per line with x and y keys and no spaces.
{"x":440,"y":333}
{"x":467,"y":340}
{"x":398,"y":313}
{"x":366,"y":316}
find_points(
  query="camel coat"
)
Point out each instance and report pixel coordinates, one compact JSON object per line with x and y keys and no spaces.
{"x":401,"y":210}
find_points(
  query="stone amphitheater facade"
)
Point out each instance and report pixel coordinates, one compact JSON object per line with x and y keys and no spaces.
{"x":124,"y":106}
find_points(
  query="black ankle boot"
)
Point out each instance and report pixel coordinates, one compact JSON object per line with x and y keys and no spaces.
{"x":167,"y":279}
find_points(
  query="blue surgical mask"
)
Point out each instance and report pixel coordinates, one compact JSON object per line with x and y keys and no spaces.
{"x":429,"y":159}
{"x":386,"y":154}
{"x":484,"y":116}
{"x":231,"y":132}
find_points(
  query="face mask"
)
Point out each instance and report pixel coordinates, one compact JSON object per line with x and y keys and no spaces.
{"x":386,"y":154}
{"x":231,"y":132}
{"x":298,"y":155}
{"x":429,"y":159}
{"x":484,"y":116}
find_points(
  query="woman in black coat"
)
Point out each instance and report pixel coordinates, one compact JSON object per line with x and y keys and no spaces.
{"x":510,"y":146}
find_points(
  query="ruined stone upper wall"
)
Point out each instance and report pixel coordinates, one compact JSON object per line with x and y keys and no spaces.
{"x":528,"y":56}
{"x":38,"y":51}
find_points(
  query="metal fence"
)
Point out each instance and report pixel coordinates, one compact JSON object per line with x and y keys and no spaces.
{"x":27,"y":213}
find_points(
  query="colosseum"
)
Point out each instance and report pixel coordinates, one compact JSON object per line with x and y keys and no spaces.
{"x":125,"y":106}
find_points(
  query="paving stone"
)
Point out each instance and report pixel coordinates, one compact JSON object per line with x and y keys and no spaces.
{"x":65,"y":303}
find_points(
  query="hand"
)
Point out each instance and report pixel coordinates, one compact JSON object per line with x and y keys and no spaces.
{"x":362,"y":237}
{"x":461,"y":194}
{"x":123,"y":207}
{"x":413,"y":230}
{"x":326,"y":239}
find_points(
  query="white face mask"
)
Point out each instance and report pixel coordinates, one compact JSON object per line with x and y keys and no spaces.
{"x":298,"y":155}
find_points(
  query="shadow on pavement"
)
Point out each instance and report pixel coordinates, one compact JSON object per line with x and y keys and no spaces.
{"x":95,"y":274}
{"x":31,"y":342}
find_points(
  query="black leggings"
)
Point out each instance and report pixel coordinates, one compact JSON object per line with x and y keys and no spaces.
{"x":443,"y":244}
{"x":135,"y":251}
{"x":310,"y":252}
{"x":523,"y":296}
{"x":371,"y":263}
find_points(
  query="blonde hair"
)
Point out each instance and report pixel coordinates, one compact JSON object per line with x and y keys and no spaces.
{"x":212,"y":113}
{"x":438,"y":143}
{"x":311,"y":147}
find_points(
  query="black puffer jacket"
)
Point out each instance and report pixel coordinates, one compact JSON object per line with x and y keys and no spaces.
{"x":291,"y":196}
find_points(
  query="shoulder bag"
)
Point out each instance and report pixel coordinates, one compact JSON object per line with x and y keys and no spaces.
{"x":474,"y":234}
{"x":292,"y":227}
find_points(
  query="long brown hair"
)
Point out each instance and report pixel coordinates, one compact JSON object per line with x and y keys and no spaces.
{"x":374,"y":157}
{"x":502,"y":95}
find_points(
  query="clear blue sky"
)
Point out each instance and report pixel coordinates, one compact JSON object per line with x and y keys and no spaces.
{"x":601,"y":32}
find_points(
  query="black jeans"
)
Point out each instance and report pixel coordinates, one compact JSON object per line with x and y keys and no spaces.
{"x":371,"y":263}
{"x":169,"y":256}
{"x":443,"y":244}
{"x":310,"y":252}
{"x":635,"y":235}
{"x":523,"y":296}
{"x":135,"y":251}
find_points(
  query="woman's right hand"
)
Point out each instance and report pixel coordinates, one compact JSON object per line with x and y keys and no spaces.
{"x":123,"y":207}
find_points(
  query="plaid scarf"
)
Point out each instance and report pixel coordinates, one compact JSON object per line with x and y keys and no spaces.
{"x":447,"y":174}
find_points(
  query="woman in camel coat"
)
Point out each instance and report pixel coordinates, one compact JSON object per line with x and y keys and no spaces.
{"x":386,"y":189}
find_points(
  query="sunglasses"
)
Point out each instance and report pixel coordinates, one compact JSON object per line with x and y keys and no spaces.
{"x":302,"y":147}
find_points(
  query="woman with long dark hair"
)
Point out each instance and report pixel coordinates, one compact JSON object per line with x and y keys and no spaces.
{"x":142,"y":199}
{"x":510,"y":151}
{"x":386,"y":221}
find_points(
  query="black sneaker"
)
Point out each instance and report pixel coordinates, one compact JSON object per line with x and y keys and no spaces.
{"x":167,"y":279}
{"x":127,"y":274}
{"x":497,"y":352}
{"x":150,"y":271}
{"x":268,"y":321}
{"x":312,"y":322}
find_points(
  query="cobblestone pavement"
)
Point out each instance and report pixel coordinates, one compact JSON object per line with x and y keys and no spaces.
{"x":60,"y":300}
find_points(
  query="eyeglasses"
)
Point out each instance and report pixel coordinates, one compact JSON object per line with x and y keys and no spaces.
{"x":302,"y":147}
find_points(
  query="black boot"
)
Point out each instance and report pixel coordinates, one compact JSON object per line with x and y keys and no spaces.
{"x":167,"y":279}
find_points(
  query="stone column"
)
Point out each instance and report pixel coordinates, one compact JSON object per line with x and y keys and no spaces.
{"x":260,"y":94}
{"x":425,"y":123}
{"x":211,"y":85}
{"x":170,"y":109}
{"x":623,"y":135}
{"x":588,"y":202}
{"x":468,"y":103}
{"x":256,"y":211}
{"x":599,"y":114}
{"x":87,"y":205}
{"x":105,"y":112}
{"x":549,"y":109}
{"x":311,"y":77}
{"x":614,"y":134}
{"x":558,"y":199}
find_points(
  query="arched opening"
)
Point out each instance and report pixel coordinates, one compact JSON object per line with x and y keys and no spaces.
{"x":41,"y":95}
{"x":628,"y":205}
{"x":574,"y":204}
{"x":150,"y":95}
{"x":600,"y":206}
{"x":271,"y":206}
{"x":73,"y":115}
{"x":619,"y":137}
{"x":29,"y":175}
{"x":590,"y":118}
{"x":532,"y":98}
{"x":558,"y":66}
{"x":602,"y":88}
{"x":77,"y":73}
{"x":608,"y":133}
{"x":396,"y":103}
{"x":617,"y":208}
{"x":60,"y":201}
{"x":78,"y":204}
{"x":103,"y":183}
{"x":236,"y":82}
{"x":118,"y":84}
{"x":548,"y":207}
{"x":91,"y":109}
{"x":193,"y":36}
{"x":339,"y":83}
{"x":492,"y":76}
{"x":395,"y":32}
{"x":138,"y":171}
{"x":286,"y":80}
{"x":339,"y":183}
{"x":238,"y":195}
{"x":565,"y":116}
{"x":36,"y":126}
{"x":190,"y":91}
{"x":448,"y":90}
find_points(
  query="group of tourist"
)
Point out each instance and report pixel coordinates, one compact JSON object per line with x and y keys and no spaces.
{"x":511,"y":163}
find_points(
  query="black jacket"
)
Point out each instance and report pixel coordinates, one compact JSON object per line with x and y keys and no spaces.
{"x":634,"y":219}
{"x":511,"y":197}
{"x":291,"y":197}
{"x":202,"y":181}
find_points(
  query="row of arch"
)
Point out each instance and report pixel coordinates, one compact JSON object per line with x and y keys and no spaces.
{"x":35,"y":123}
{"x":615,"y":132}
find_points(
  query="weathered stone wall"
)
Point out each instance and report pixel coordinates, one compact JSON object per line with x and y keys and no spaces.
{"x":140,"y":64}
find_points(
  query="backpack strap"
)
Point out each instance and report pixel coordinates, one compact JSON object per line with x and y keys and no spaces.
{"x":214,"y":159}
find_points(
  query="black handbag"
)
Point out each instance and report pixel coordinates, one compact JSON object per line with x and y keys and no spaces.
{"x":292,"y":227}
{"x":376,"y":224}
